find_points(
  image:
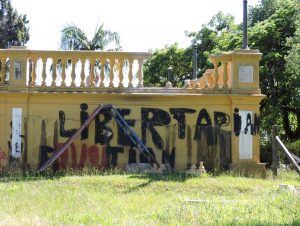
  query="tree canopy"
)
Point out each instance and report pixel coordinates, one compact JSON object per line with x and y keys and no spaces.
{"x":13,"y":27}
{"x":274,"y":29}
{"x":171,"y":63}
{"x":73,"y":38}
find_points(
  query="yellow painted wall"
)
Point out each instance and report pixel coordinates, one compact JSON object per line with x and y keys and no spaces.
{"x":39,"y":107}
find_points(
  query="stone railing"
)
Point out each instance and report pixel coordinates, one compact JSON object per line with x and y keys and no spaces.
{"x":236,"y":71}
{"x":92,"y":71}
{"x":71,"y":70}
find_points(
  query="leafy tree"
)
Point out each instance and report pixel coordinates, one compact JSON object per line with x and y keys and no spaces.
{"x":220,"y":34}
{"x":13,"y":27}
{"x":171,"y":63}
{"x":274,"y":34}
{"x":73,"y":38}
{"x":274,"y":28}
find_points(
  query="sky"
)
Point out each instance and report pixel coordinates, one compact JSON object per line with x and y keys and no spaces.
{"x":142,"y":24}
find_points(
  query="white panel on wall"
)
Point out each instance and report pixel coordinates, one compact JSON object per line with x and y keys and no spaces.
{"x":245,"y":74}
{"x":16,"y":132}
{"x":245,"y":137}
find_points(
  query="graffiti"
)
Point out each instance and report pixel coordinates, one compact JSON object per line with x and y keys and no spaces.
{"x":169,"y":158}
{"x":103,"y":133}
{"x":112,"y":155}
{"x":256,"y":124}
{"x":204,"y":127}
{"x":2,"y":156}
{"x":123,"y":139}
{"x":248,"y":123}
{"x":237,"y":119}
{"x":132,"y":155}
{"x":62,"y":131}
{"x":143,"y":159}
{"x":83,"y":117}
{"x":13,"y":160}
{"x":189,"y":147}
{"x":211,"y":143}
{"x":154,"y":117}
{"x":221,"y":119}
{"x":16,"y":130}
{"x":179,"y":115}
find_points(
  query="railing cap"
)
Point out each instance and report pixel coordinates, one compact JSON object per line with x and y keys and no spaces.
{"x":74,"y":53}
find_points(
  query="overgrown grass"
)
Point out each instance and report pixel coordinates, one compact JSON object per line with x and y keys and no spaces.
{"x":115,"y":198}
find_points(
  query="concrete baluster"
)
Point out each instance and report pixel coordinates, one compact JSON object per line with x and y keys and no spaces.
{"x":33,"y":72}
{"x":63,"y":73}
{"x":82,"y":75}
{"x":44,"y":75}
{"x":205,"y":78}
{"x":111,"y":73}
{"x":121,"y":77}
{"x":140,"y":73}
{"x":92,"y":73}
{"x":225,"y":74}
{"x":3,"y":62}
{"x":216,"y":74}
{"x":54,"y":75}
{"x":73,"y":75}
{"x":102,"y":75}
{"x":130,"y":75}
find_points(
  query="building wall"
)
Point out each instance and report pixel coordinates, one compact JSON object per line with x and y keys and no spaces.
{"x":182,"y":129}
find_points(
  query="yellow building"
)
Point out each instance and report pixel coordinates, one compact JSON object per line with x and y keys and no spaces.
{"x":46,"y":95}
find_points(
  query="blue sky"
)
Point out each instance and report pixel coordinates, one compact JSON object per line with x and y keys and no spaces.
{"x":142,"y":24}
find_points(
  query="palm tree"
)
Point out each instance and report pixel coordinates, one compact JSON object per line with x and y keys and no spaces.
{"x":73,"y":38}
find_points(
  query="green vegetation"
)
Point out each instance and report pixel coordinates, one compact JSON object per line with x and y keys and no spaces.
{"x":13,"y":27}
{"x":73,"y":38}
{"x":169,"y":199}
{"x":274,"y":29}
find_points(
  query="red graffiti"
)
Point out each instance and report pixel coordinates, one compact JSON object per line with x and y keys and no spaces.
{"x":2,"y":156}
{"x":88,"y":156}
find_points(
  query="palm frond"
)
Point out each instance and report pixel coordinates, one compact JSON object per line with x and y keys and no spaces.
{"x":103,"y":38}
{"x":73,"y":38}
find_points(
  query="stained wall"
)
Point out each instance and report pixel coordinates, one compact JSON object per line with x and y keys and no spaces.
{"x":180,"y":130}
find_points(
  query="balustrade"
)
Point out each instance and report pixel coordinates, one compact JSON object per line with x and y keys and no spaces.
{"x":216,"y":78}
{"x":75,"y":69}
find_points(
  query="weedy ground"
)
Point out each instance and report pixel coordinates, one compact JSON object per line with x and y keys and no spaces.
{"x":90,"y":197}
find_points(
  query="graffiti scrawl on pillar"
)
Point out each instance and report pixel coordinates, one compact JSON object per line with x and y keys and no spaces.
{"x":256,"y":124}
{"x":16,"y":141}
{"x":249,"y":127}
{"x":237,"y":119}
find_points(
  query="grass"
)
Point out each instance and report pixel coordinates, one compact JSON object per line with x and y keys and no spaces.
{"x":113,"y":198}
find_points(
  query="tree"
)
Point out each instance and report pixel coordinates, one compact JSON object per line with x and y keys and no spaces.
{"x":213,"y":37}
{"x":274,"y":29}
{"x":272,"y":34}
{"x":220,"y":34}
{"x":73,"y":38}
{"x":13,"y":27}
{"x":171,"y":63}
